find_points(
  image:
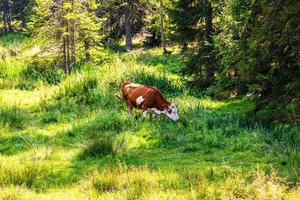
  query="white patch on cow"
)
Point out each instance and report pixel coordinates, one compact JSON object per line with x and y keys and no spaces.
{"x":156,"y":111}
{"x":134,"y":85}
{"x":171,"y":112}
{"x":127,"y":89}
{"x":139,"y":100}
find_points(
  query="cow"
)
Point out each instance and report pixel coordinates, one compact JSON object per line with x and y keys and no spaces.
{"x":147,"y":98}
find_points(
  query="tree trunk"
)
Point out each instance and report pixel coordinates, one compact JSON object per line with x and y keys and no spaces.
{"x":210,"y":70}
{"x":64,"y":65}
{"x":87,"y":50}
{"x":23,"y":22}
{"x":128,"y":36}
{"x":6,"y":17}
{"x":4,"y":20}
{"x":68,"y":49}
{"x":72,"y":40}
{"x":162,"y":29}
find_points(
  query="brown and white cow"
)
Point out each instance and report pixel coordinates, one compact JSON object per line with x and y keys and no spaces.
{"x":147,"y":98}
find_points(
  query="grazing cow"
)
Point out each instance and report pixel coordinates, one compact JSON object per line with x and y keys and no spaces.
{"x":147,"y":98}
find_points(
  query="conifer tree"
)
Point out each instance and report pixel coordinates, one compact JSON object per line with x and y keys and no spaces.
{"x":193,"y":24}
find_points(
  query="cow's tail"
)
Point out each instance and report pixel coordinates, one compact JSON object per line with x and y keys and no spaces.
{"x":119,"y":97}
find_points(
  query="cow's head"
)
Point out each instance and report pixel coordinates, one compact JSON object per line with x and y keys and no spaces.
{"x":171,"y":112}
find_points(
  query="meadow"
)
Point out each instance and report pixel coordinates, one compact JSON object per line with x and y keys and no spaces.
{"x":68,"y":137}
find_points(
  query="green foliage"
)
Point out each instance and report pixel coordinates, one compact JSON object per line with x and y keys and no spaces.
{"x":196,"y":39}
{"x":51,"y":117}
{"x":113,"y":13}
{"x":39,"y":16}
{"x":152,"y":23}
{"x":287,"y":138}
{"x":259,"y":53}
{"x":29,"y":175}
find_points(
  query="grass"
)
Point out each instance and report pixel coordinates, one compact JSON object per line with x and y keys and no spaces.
{"x":13,"y":117}
{"x":74,"y":140}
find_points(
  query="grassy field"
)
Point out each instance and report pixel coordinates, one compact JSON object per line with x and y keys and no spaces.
{"x":70,"y":138}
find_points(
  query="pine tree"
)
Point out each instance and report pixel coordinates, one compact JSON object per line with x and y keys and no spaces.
{"x":259,"y":44}
{"x":73,"y":25}
{"x":193,"y":29}
{"x":123,"y":18}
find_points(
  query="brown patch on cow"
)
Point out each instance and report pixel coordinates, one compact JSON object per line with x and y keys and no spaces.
{"x":147,"y":98}
{"x":152,"y":97}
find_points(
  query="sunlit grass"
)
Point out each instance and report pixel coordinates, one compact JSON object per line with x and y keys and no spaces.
{"x":75,"y":140}
{"x":24,"y":98}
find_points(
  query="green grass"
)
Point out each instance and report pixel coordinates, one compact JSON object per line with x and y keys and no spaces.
{"x":74,"y":140}
{"x":13,"y":117}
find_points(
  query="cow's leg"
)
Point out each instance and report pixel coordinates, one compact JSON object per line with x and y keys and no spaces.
{"x":155,"y":111}
{"x":129,"y":108}
{"x":145,"y":112}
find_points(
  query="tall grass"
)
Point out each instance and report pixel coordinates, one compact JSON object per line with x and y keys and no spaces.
{"x":40,"y":71}
{"x":13,"y":116}
{"x":101,"y":146}
{"x":144,"y":183}
{"x":79,"y":142}
{"x":23,"y":64}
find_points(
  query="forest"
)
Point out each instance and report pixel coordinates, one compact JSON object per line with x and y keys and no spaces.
{"x":231,"y":67}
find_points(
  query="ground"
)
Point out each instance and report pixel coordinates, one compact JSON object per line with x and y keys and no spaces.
{"x":70,"y":138}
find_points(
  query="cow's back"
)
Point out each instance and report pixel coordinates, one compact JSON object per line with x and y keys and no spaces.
{"x":141,"y":96}
{"x":127,"y":89}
